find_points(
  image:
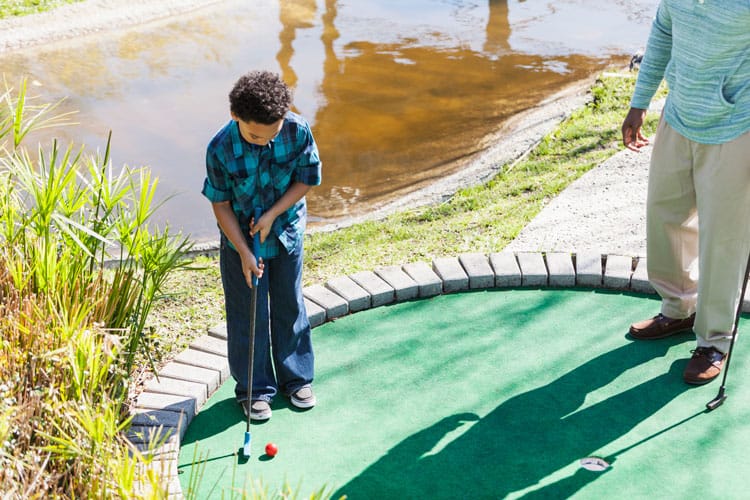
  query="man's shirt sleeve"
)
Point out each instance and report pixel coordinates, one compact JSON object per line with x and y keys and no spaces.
{"x":655,"y":59}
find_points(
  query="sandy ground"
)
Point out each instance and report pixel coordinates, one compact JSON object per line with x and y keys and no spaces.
{"x":602,"y":211}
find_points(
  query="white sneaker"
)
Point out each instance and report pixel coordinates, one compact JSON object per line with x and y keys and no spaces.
{"x":303,"y":397}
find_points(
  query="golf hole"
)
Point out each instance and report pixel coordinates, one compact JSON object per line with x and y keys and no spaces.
{"x":594,"y":464}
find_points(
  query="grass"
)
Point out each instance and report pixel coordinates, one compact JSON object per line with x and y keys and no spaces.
{"x":483,"y":218}
{"x":11,"y":8}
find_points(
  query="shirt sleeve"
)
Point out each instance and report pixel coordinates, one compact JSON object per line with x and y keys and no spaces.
{"x":308,"y":166}
{"x":655,"y":59}
{"x":216,"y":186}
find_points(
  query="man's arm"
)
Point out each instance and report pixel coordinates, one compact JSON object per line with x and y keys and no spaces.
{"x":230,"y":226}
{"x":655,"y":59}
{"x":651,"y":72}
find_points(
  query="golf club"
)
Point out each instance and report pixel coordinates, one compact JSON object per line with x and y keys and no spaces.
{"x":251,"y":346}
{"x":721,"y":396}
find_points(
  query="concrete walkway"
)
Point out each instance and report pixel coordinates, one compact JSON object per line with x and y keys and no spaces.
{"x":602,"y":211}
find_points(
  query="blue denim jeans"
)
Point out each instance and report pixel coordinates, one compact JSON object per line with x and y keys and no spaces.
{"x":283,"y":357}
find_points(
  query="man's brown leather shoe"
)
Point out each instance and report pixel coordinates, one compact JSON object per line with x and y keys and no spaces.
{"x":704,"y":366}
{"x":660,"y":327}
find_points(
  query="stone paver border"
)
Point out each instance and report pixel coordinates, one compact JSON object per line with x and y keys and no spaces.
{"x":169,"y":402}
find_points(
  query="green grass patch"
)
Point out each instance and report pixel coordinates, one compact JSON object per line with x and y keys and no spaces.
{"x":11,"y":8}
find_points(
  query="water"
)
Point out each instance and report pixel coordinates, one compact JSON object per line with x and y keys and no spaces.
{"x":398,"y":93}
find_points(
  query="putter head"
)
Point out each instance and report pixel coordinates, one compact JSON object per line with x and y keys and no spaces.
{"x":715,"y":402}
{"x":246,"y":446}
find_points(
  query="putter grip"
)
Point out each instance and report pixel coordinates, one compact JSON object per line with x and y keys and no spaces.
{"x":256,"y":241}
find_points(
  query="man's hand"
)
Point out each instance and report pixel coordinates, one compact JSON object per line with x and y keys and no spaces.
{"x":632,"y":137}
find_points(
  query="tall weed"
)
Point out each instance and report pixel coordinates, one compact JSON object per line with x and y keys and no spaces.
{"x":80,"y":270}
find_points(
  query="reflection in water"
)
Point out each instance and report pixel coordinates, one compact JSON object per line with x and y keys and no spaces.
{"x":400,"y":113}
{"x":392,"y":125}
{"x":293,"y":14}
{"x":498,"y":28}
{"x":398,"y":93}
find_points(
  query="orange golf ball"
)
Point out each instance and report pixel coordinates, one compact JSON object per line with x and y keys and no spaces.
{"x":271,"y":449}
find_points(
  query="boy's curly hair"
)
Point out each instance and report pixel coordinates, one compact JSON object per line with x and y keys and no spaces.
{"x":260,"y":97}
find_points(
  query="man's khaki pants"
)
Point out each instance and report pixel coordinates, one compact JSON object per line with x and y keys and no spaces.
{"x":698,"y":226}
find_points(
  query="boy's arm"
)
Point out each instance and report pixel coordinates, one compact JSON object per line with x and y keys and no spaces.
{"x":230,"y":226}
{"x":295,"y":193}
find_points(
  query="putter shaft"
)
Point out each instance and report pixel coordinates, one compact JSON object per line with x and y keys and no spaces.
{"x":720,"y":397}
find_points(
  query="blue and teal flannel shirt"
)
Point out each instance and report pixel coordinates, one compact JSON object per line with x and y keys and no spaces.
{"x":257,"y":176}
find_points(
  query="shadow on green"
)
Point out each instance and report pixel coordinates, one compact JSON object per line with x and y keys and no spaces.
{"x":487,"y":394}
{"x":525,"y":438}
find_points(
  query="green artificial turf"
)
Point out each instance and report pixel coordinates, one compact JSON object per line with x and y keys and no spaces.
{"x":491,"y":394}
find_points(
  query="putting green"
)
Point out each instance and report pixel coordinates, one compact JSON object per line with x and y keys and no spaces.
{"x":490,"y":394}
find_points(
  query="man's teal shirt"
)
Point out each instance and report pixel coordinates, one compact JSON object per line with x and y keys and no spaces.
{"x":702,"y":49}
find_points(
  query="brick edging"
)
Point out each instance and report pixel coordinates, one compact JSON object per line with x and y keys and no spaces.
{"x":170,"y":401}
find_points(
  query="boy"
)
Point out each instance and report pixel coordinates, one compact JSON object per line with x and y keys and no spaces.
{"x":264,"y":157}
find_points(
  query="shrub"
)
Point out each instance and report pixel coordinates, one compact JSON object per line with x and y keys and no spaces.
{"x":80,"y":269}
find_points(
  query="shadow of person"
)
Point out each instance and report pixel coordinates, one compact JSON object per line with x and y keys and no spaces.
{"x":526,"y":437}
{"x":567,"y":486}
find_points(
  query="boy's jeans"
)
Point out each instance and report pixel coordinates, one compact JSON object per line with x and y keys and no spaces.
{"x":289,"y":340}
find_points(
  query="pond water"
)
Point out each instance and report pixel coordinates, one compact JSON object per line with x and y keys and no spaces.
{"x":398,"y":93}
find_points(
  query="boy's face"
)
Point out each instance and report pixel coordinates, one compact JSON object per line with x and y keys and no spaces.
{"x":258,"y":133}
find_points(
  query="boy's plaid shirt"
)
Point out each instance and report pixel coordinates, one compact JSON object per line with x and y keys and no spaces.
{"x":257,"y":176}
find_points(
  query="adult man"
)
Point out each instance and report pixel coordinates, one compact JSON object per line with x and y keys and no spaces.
{"x":699,"y":181}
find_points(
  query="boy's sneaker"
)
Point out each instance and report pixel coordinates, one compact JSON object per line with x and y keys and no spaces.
{"x":259,"y":409}
{"x":303,"y":397}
